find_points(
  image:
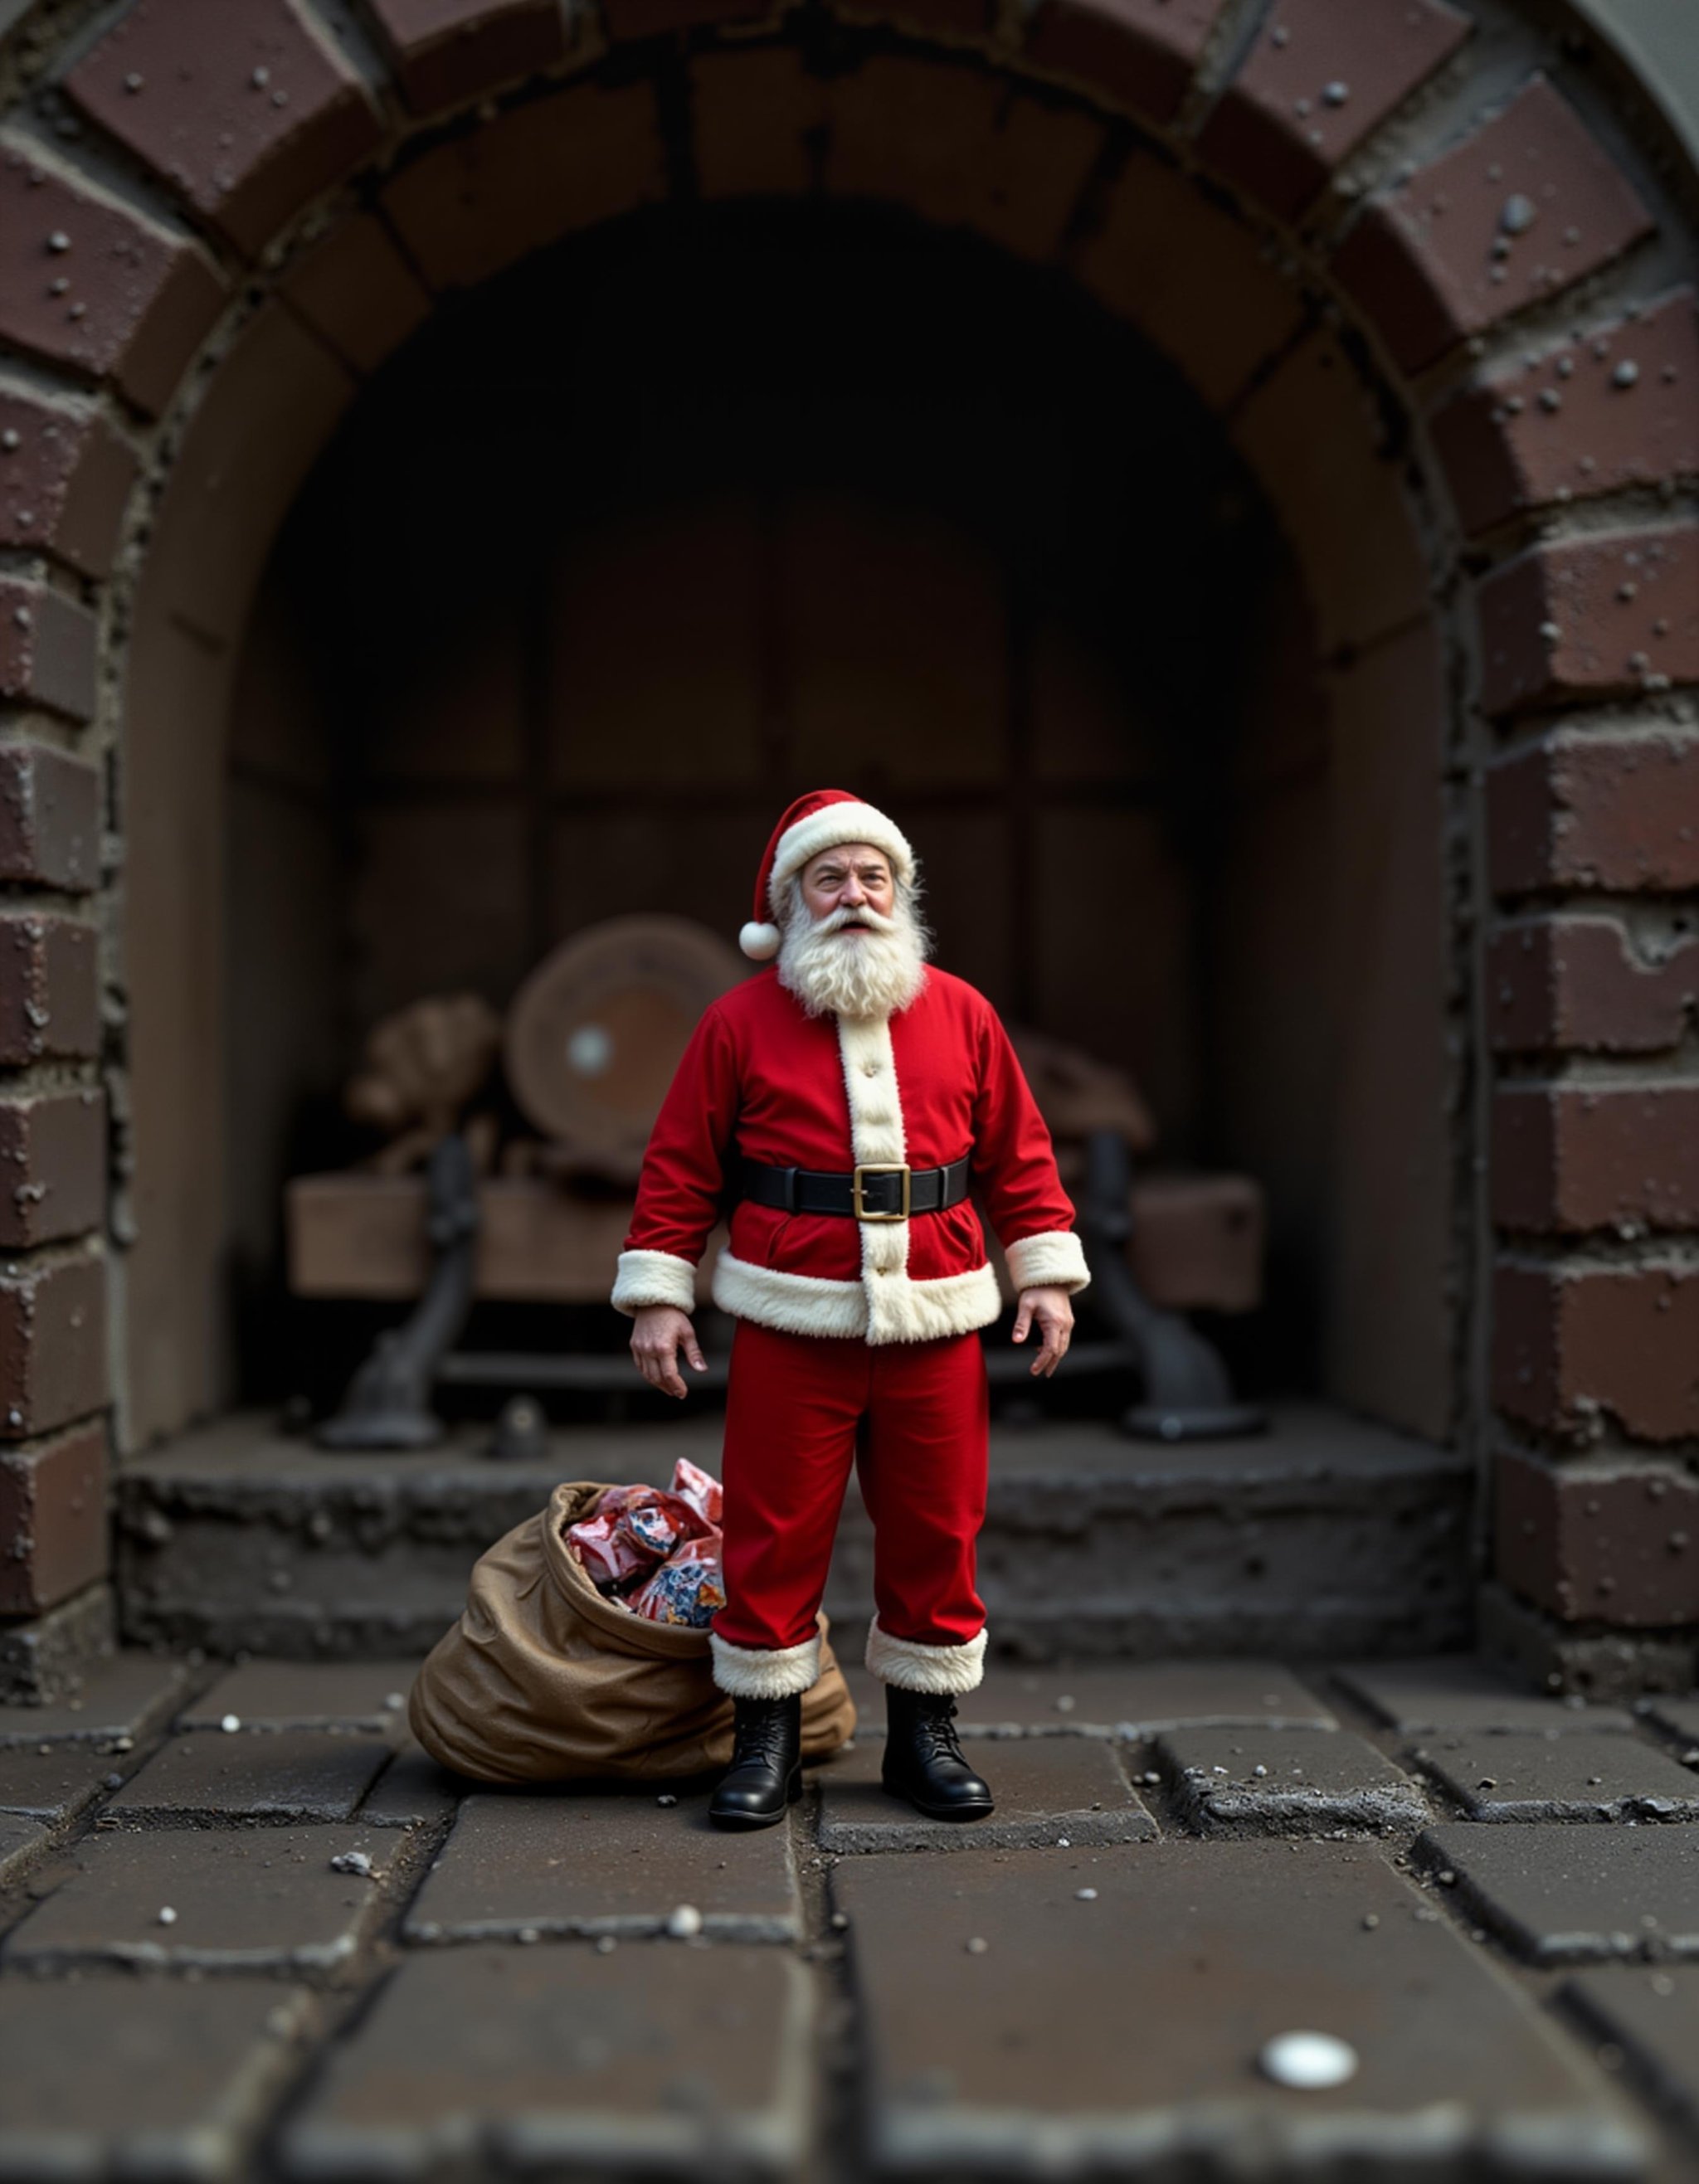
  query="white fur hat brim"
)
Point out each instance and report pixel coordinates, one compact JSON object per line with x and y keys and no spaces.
{"x":825,"y":829}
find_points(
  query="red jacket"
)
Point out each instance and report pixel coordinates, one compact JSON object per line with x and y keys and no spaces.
{"x":924,"y":1086}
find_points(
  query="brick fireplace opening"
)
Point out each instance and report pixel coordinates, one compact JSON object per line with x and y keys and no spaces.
{"x":556,"y":626}
{"x":1353,"y":376}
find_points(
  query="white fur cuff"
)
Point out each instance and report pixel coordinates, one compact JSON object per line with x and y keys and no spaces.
{"x":748,"y":1673}
{"x":913,"y":1666}
{"x":652,"y":1278}
{"x":1055,"y":1259}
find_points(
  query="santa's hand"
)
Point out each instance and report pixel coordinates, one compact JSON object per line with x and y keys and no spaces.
{"x":1053,"y":1312}
{"x":659,"y":1333}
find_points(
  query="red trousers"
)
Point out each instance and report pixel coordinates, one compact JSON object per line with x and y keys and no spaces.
{"x":915,"y":1417}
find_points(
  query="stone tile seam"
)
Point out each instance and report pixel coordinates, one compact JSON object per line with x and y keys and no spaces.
{"x":289,"y":1960}
{"x":1572,"y":2006}
{"x":1526,"y":1949}
{"x":735,"y":1926}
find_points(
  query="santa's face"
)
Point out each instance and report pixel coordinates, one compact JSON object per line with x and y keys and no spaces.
{"x":854,"y":878}
{"x":853,"y":945}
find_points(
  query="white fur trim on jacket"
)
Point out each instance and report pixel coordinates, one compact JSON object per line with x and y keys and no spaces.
{"x":913,"y":1666}
{"x":1056,"y":1258}
{"x":748,"y":1673}
{"x":877,"y":1135}
{"x":652,"y":1278}
{"x":825,"y":829}
{"x":810,"y":1304}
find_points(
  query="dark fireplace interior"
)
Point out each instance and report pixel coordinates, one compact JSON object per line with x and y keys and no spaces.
{"x":629,"y":548}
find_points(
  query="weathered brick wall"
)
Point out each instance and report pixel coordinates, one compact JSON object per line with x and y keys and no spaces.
{"x":65,"y":477}
{"x":1445,"y":216}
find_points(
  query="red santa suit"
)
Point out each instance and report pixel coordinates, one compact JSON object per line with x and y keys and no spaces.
{"x":855,"y":1338}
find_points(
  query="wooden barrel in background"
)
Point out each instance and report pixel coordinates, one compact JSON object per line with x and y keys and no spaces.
{"x":595,"y":1033}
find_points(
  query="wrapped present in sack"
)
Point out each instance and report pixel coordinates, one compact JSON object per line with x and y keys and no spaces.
{"x":542,"y":1680}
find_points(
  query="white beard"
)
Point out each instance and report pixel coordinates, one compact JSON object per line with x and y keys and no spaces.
{"x":866,"y":974}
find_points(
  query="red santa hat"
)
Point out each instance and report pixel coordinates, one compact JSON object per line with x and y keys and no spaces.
{"x":819,"y":821}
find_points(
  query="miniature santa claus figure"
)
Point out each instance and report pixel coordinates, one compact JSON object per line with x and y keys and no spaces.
{"x":841,"y":1104}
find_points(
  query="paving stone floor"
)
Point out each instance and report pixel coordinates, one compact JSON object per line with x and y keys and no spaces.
{"x":249,"y":1930}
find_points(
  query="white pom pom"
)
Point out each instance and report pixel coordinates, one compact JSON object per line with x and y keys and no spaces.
{"x":760,"y":941}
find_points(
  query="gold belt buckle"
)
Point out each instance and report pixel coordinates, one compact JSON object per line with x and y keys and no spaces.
{"x":879,"y":1167}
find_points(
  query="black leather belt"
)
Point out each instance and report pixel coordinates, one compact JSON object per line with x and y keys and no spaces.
{"x":876,"y":1191}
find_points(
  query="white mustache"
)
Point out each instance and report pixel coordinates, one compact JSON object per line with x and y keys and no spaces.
{"x":835,"y":920}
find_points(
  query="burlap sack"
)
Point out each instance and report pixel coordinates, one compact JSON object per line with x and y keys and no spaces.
{"x":543,"y":1680}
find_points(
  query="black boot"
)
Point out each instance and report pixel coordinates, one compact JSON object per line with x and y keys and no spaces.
{"x":766,"y":1773}
{"x":923,"y":1761}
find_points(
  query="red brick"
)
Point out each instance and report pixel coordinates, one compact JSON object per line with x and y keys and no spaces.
{"x":52,"y":1346}
{"x":46,"y":649}
{"x":1276,"y":132}
{"x":1591,"y":618}
{"x":358,"y":289}
{"x":647,"y":19}
{"x":759,"y":116}
{"x":138,"y":301}
{"x":247,"y":110}
{"x":1617,"y":1540}
{"x":949,"y":141}
{"x":65,"y":476}
{"x":1573,"y":982}
{"x":1567,"y":1158}
{"x":49,"y":818}
{"x":49,"y":990}
{"x":52,"y":1519}
{"x":1568,"y":1345}
{"x":1139,"y":54}
{"x":473,"y":206}
{"x":53,"y":1166}
{"x":445,"y":51}
{"x":1421,"y":260}
{"x":1561,"y":427}
{"x":1189,"y":277}
{"x":1603,"y":811}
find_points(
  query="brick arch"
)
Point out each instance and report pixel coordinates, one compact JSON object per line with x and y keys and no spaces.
{"x":1360,"y":228}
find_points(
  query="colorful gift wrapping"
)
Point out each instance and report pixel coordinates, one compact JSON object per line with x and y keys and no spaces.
{"x":656,"y":1551}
